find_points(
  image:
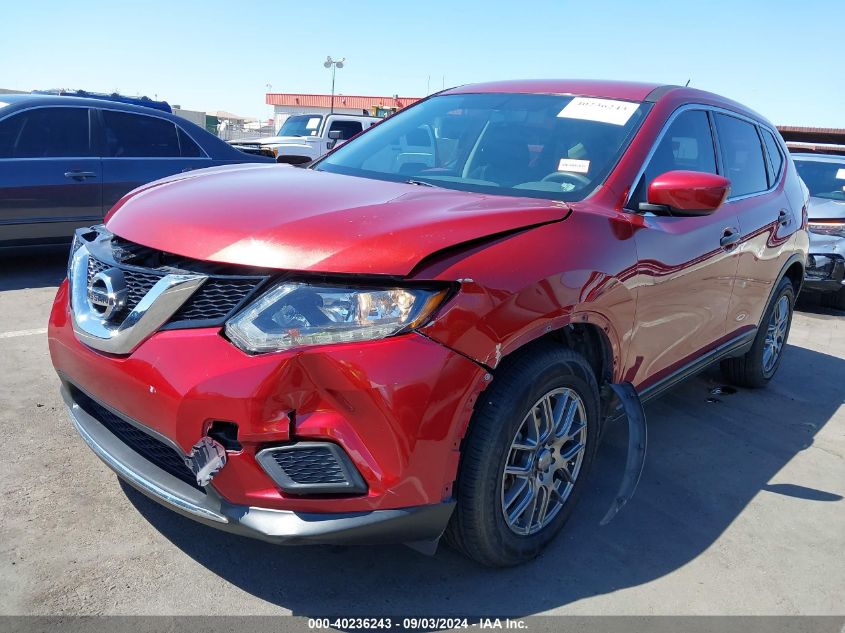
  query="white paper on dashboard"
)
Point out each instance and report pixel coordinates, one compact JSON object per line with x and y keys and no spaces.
{"x":600,"y":110}
{"x":573,"y":165}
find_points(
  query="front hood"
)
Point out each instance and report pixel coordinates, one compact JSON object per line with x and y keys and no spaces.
{"x":825,"y":209}
{"x":283,"y":217}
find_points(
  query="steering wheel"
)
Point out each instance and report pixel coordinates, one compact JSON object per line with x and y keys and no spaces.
{"x":577,"y":179}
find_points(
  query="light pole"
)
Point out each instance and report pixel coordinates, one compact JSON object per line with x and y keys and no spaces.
{"x":334,"y":64}
{"x":272,"y":109}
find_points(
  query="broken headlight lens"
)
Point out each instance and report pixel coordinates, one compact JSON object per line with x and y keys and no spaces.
{"x":299,"y":314}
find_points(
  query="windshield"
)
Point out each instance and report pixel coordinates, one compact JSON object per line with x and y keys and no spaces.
{"x":547,"y":146}
{"x":301,"y":125}
{"x":824,"y":179}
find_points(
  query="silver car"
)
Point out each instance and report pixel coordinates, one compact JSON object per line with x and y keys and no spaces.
{"x":824,"y":175}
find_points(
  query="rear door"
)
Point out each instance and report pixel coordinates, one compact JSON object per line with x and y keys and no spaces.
{"x":754,"y":163}
{"x":50,"y":177}
{"x":139,"y":148}
{"x":686,"y":266}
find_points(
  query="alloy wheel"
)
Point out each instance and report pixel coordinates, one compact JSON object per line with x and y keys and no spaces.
{"x":776,"y":334}
{"x":543,"y":462}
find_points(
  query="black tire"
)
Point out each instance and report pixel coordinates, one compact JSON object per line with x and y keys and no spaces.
{"x":749,"y":370}
{"x":835,"y":300}
{"x":478,"y":527}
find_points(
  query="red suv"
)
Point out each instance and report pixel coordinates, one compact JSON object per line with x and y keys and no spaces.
{"x":425,"y":331}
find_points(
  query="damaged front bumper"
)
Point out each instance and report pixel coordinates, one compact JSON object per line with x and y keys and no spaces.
{"x":401,"y":525}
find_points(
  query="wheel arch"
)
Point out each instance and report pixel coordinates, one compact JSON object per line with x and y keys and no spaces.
{"x":589,"y":334}
{"x":794,"y":270}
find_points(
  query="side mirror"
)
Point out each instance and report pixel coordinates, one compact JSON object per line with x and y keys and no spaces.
{"x":686,"y":193}
{"x":335,"y":135}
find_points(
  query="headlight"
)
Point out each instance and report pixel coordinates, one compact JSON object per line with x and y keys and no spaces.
{"x":298,"y":314}
{"x":828,"y":227}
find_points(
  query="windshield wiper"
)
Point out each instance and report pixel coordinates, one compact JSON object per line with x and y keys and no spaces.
{"x":422,"y":183}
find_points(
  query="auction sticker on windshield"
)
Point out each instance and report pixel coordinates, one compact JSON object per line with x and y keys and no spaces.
{"x":599,"y":110}
{"x":573,"y":165}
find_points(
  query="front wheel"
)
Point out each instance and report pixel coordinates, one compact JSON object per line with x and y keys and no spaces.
{"x":760,"y":363}
{"x":529,"y":447}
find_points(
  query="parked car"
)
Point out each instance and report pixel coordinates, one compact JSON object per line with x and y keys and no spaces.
{"x":824,"y":175}
{"x":394,"y":346}
{"x":64,"y":161}
{"x":305,"y":137}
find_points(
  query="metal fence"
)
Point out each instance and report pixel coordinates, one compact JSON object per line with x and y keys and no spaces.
{"x":239,"y":133}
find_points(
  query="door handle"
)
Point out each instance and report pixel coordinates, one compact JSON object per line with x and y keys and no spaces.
{"x":75,"y":174}
{"x":730,"y":238}
{"x":783,"y":217}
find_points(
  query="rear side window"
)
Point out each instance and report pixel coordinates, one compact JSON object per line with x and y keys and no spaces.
{"x":742,"y":155}
{"x":775,"y":157}
{"x":46,"y":133}
{"x":187,"y":146}
{"x":348,"y":129}
{"x":686,"y":145}
{"x":138,"y":136}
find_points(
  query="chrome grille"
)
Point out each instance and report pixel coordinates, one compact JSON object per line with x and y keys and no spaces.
{"x":138,"y":283}
{"x":215,"y":300}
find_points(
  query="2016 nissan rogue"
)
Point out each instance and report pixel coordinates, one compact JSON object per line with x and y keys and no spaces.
{"x":426,"y":330}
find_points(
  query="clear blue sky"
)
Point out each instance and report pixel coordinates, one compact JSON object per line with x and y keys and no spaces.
{"x":784,"y":58}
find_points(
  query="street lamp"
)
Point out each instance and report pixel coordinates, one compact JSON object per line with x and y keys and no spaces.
{"x":334,"y":64}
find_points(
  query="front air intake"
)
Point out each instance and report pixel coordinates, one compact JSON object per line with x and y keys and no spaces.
{"x":311,"y":468}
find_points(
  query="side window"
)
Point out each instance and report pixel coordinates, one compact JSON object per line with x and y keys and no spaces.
{"x":348,"y":129}
{"x":742,"y":155}
{"x":775,"y":155}
{"x":189,"y":148}
{"x":687,"y":144}
{"x":138,"y":136}
{"x":46,"y":133}
{"x":10,"y":130}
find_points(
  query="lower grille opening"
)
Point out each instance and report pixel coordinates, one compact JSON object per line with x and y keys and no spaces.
{"x":150,"y":448}
{"x":308,"y":468}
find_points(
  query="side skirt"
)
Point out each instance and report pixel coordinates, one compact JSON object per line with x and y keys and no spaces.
{"x":734,"y":347}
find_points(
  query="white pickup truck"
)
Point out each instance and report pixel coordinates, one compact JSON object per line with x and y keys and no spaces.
{"x":305,"y":137}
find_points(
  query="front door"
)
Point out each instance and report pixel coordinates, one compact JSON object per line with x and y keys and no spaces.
{"x":687,"y":265}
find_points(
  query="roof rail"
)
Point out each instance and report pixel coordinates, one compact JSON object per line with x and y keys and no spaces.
{"x":139,"y":101}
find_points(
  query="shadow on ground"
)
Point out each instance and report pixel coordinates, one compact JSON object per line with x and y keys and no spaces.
{"x":33,"y":268}
{"x":706,"y":462}
{"x":810,"y":302}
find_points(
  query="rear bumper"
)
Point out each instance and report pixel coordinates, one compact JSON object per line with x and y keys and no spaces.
{"x":401,"y":525}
